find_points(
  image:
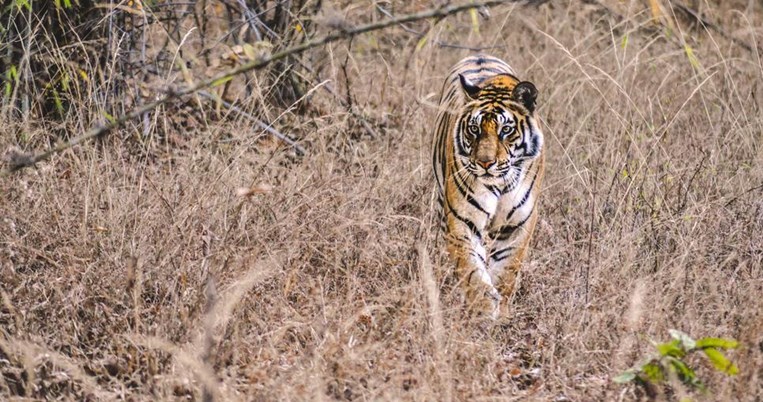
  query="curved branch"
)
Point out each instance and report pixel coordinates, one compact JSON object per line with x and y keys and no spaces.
{"x":18,"y":162}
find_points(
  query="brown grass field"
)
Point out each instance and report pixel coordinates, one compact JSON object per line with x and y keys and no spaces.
{"x":134,"y":267}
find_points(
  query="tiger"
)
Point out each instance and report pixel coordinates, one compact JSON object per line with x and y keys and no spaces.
{"x":488,"y":163}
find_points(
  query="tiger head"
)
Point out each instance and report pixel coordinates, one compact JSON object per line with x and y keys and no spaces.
{"x":496,"y":132}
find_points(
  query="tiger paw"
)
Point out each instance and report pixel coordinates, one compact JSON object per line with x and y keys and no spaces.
{"x":484,"y":302}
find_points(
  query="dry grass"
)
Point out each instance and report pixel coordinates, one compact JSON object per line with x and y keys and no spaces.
{"x":134,"y":270}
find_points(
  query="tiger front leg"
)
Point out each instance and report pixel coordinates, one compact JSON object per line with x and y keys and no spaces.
{"x":467,"y":250}
{"x":507,"y":251}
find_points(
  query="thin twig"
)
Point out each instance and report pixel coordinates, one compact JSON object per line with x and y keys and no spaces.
{"x":709,"y":25}
{"x":471,"y":48}
{"x":328,"y":88}
{"x":749,"y":190}
{"x":265,"y":126}
{"x":406,"y":28}
{"x":587,"y":269}
{"x":252,"y":65}
{"x":348,"y":103}
{"x":250,"y":18}
{"x":354,"y":113}
{"x":210,"y":291}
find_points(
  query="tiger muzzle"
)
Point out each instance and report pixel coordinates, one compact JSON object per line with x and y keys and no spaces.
{"x":486,"y":163}
{"x":485,"y":152}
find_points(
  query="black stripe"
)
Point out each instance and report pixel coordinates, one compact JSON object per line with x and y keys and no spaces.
{"x":486,"y":103}
{"x":449,"y":96}
{"x":535,"y":151}
{"x":524,"y":198}
{"x":481,"y":258}
{"x":466,"y":222}
{"x":466,"y":193}
{"x":504,"y":232}
{"x":463,"y":148}
{"x":442,"y":126}
{"x":502,"y":254}
{"x":500,"y":93}
{"x":493,"y":189}
{"x":522,"y":145}
{"x":469,"y":277}
{"x":482,"y":59}
{"x":489,"y":62}
{"x":475,"y":71}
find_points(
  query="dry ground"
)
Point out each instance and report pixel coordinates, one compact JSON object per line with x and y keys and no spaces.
{"x":133,"y":269}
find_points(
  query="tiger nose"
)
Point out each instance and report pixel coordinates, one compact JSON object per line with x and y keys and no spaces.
{"x":486,"y":163}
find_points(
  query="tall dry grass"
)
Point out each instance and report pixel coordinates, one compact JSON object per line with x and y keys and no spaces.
{"x":133,"y":268}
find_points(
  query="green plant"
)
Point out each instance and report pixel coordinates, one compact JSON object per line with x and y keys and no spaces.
{"x":670,"y":361}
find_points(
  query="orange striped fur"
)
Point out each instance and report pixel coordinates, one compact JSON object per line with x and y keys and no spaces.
{"x":488,"y":162}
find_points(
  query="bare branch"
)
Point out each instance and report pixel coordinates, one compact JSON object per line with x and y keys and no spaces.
{"x":250,"y":18}
{"x":265,"y":126}
{"x":406,"y":28}
{"x":470,"y":48}
{"x":253,"y":65}
{"x":710,"y":26}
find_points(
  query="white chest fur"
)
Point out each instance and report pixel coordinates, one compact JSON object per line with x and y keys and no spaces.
{"x":513,"y":207}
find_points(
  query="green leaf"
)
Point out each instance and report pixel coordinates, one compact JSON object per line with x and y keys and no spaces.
{"x":721,"y":362}
{"x":59,"y":104}
{"x":10,"y":75}
{"x":221,"y":81}
{"x":109,"y":117}
{"x":373,"y":43}
{"x":687,"y":341}
{"x":685,"y":373}
{"x":249,"y":51}
{"x":653,"y":372}
{"x":691,"y":56}
{"x":23,"y":4}
{"x":672,"y":348}
{"x":475,"y":20}
{"x":720,"y":343}
{"x":624,"y":41}
{"x":626,"y":376}
{"x":422,"y":42}
{"x":65,"y":81}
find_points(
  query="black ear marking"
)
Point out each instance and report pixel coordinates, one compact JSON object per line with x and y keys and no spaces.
{"x":469,"y":88}
{"x":525,"y":93}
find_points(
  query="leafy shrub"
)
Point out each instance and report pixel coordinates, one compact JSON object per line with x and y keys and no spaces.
{"x":670,"y":362}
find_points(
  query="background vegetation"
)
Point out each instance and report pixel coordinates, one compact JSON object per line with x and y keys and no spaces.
{"x":192,"y":254}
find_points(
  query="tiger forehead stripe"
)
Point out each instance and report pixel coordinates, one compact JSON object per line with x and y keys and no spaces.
{"x":489,"y":124}
{"x":500,"y":113}
{"x":502,"y":82}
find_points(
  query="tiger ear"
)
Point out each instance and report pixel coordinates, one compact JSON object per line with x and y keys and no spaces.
{"x":525,"y":93}
{"x":469,"y":88}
